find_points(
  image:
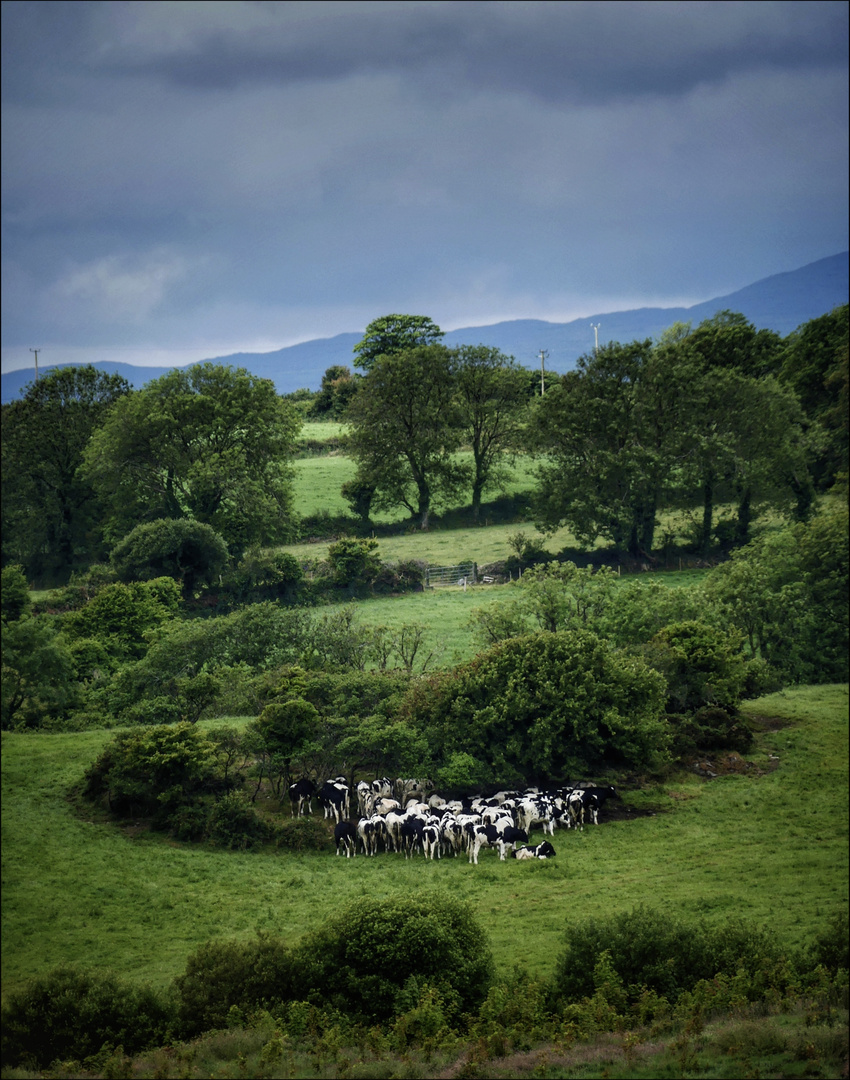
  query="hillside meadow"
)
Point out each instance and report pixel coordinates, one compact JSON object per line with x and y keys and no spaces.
{"x":452,"y":536}
{"x":767,"y":841}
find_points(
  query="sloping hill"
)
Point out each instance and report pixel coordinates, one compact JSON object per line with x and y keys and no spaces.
{"x":781,"y":302}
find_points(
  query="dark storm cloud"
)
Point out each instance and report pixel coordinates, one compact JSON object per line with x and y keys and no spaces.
{"x":583,"y":52}
{"x":230,"y":173}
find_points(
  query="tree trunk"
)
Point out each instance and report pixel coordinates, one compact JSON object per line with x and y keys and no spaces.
{"x":477,"y":488}
{"x":742,"y":528}
{"x":707,"y":515}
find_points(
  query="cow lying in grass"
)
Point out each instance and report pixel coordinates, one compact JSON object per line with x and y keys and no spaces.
{"x":542,"y":851}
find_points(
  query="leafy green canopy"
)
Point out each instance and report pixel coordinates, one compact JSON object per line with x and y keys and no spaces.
{"x":646,"y":949}
{"x":72,"y":1014}
{"x":361,"y":960}
{"x":189,"y":551}
{"x":393,"y":334}
{"x":405,"y":430}
{"x":545,"y":706}
{"x":208,"y":443}
{"x":640,"y":427}
{"x":51,"y":517}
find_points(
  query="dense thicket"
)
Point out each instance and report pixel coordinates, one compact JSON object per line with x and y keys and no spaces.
{"x":542,"y":707}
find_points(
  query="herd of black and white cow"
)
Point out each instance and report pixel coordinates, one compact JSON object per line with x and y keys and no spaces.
{"x":408,"y":816}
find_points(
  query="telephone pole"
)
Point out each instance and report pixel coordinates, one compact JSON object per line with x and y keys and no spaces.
{"x":543,"y":354}
{"x":596,"y":334}
{"x":36,"y":351}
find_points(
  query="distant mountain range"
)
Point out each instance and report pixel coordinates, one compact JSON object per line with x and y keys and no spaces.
{"x":781,"y":302}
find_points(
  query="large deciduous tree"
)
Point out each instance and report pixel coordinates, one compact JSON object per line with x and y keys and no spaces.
{"x":492,"y":392}
{"x":394,"y":334}
{"x":50,"y":512}
{"x":405,"y":429}
{"x":637,"y":427}
{"x":815,"y":366}
{"x":605,"y":459}
{"x":208,"y":442}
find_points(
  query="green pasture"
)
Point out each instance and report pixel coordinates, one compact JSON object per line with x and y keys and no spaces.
{"x":321,"y":430}
{"x":446,"y":612}
{"x":317,"y":495}
{"x":769,"y":843}
{"x":447,"y":546}
{"x":319,"y":478}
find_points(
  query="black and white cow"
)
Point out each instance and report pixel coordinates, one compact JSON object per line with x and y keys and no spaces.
{"x":535,"y":811}
{"x":601,"y":794}
{"x":372,"y":833}
{"x":345,"y":836}
{"x":300,"y":794}
{"x":542,"y":851}
{"x":583,"y":806}
{"x":333,"y":798}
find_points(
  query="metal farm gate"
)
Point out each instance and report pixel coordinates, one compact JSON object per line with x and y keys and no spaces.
{"x":465,"y":573}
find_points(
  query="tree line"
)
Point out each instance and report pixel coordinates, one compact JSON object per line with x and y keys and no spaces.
{"x":718,"y":414}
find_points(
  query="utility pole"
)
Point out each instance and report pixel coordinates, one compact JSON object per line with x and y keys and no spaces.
{"x":543,"y":354}
{"x":36,"y":351}
{"x":596,"y":334}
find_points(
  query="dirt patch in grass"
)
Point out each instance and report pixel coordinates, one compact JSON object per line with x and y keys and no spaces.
{"x":761,"y":722}
{"x":606,"y":1050}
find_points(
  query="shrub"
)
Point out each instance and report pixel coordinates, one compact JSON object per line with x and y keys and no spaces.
{"x":250,"y":975}
{"x":303,"y":834}
{"x":359,"y":961}
{"x":702,"y":665}
{"x":647,"y":949}
{"x":264,"y":575}
{"x":354,"y":562}
{"x":152,"y":771}
{"x":190,"y":552}
{"x":233,"y":823}
{"x":544,"y":705}
{"x":831,"y":947}
{"x":74,"y":1013}
{"x":708,"y":729}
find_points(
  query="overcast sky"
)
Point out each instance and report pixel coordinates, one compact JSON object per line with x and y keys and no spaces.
{"x":189,"y":179}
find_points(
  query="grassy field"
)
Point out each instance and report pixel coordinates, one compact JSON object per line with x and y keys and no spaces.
{"x":769,"y":842}
{"x":446,"y":613}
{"x":319,"y":478}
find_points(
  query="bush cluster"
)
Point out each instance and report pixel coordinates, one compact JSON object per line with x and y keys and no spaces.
{"x":417,"y":971}
{"x":647,"y":949}
{"x":72,"y":1013}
